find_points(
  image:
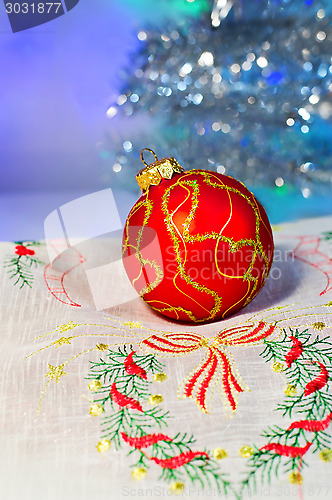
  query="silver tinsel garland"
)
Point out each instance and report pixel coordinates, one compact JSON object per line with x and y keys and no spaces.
{"x":250,"y":97}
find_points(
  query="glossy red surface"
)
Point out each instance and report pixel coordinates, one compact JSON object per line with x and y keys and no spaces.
{"x":202,"y":243}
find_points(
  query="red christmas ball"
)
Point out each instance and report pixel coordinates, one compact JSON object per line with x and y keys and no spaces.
{"x":197,"y":245}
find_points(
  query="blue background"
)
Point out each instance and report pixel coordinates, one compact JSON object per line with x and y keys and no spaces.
{"x":57,"y":81}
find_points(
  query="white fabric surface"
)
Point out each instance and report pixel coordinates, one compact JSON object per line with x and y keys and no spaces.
{"x":53,"y":455}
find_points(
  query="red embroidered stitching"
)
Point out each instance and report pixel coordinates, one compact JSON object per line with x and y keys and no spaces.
{"x":230,"y":331}
{"x":319,"y":382}
{"x":235,"y":383}
{"x":249,"y":337}
{"x":171,"y":346}
{"x":133,"y":368}
{"x":22,"y":250}
{"x":189,"y":387}
{"x":19,"y":266}
{"x":201,"y":393}
{"x":202,"y":376}
{"x":144,"y":441}
{"x":295,"y":351}
{"x":312,"y":425}
{"x":175,"y":456}
{"x":287,"y":451}
{"x":179,"y":460}
{"x":225,"y":380}
{"x":124,"y":401}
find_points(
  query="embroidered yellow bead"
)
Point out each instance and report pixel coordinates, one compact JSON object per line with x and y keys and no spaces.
{"x":277,"y":367}
{"x":319,"y":325}
{"x":290,"y":390}
{"x":246,"y":451}
{"x":96,"y":410}
{"x":95,"y":385}
{"x":155,"y":399}
{"x":295,"y":478}
{"x":177,"y":487}
{"x":219,"y":453}
{"x":138,"y":473}
{"x":103,"y":445}
{"x":326,"y":455}
{"x":159,"y":377}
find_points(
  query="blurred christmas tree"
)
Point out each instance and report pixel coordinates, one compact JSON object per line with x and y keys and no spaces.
{"x":245,"y":90}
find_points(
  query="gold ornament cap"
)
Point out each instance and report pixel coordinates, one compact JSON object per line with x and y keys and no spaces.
{"x":153,"y":173}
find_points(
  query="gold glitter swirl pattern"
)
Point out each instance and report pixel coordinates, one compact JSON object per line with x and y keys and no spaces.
{"x":180,"y":240}
{"x":173,"y":230}
{"x":148,"y":204}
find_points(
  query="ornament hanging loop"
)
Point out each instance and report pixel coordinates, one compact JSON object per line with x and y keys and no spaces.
{"x":150,"y":151}
{"x":153,"y":173}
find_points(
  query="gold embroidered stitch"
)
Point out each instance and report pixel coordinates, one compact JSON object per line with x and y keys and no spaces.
{"x":177,"y":487}
{"x":246,"y":451}
{"x":66,"y":327}
{"x":319,"y":325}
{"x":219,"y":453}
{"x":326,"y":455}
{"x":290,"y":390}
{"x":95,"y":385}
{"x":155,"y":399}
{"x":96,"y":410}
{"x":55,"y":372}
{"x":62,"y":341}
{"x":130,"y":334}
{"x":204,"y":342}
{"x":103,"y":445}
{"x":277,"y":367}
{"x":138,"y":473}
{"x":295,"y":478}
{"x":159,"y":377}
{"x":102,"y":347}
{"x":133,"y":324}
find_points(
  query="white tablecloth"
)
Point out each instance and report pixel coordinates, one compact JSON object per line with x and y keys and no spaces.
{"x":111,"y":403}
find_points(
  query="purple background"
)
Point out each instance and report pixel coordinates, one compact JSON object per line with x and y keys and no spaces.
{"x":56,"y":83}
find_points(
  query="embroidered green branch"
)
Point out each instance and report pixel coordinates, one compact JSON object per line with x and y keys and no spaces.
{"x":19,"y":267}
{"x":122,"y":389}
{"x":305,"y":361}
{"x":327,"y":235}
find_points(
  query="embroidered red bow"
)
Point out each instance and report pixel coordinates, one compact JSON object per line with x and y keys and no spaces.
{"x":218,"y":363}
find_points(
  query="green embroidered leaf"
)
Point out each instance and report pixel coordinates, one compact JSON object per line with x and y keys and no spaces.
{"x":304,"y":365}
{"x":127,"y":376}
{"x":19,"y":267}
{"x":327,"y":235}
